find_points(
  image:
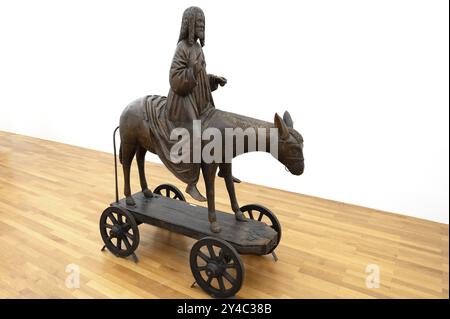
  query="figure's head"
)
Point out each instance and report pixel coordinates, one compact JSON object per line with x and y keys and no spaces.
{"x":290,"y":144}
{"x":193,"y":26}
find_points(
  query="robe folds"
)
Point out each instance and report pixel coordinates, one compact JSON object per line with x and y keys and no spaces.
{"x":189,"y":99}
{"x":190,"y":92}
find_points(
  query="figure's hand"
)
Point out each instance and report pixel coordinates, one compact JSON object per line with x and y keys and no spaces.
{"x":221,"y":80}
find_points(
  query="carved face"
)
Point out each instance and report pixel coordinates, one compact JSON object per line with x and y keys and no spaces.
{"x":290,"y":145}
{"x":199,"y":26}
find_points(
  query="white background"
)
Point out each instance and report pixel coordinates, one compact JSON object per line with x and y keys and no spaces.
{"x":366,"y":83}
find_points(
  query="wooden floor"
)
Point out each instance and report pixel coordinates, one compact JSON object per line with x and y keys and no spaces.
{"x":52,"y":195}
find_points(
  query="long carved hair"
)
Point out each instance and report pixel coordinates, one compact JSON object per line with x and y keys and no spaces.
{"x":188,"y":25}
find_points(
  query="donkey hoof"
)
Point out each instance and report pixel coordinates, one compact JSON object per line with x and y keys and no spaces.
{"x":239,"y":216}
{"x":130,"y":201}
{"x":192,"y":190}
{"x":215,"y":228}
{"x":236,"y":180}
{"x":147,"y":193}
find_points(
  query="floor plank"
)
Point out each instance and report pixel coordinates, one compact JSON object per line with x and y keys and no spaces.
{"x":52,"y":195}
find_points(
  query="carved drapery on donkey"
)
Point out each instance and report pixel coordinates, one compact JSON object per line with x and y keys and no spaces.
{"x":148,"y":123}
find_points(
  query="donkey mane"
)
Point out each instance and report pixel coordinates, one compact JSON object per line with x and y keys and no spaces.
{"x":223,"y":119}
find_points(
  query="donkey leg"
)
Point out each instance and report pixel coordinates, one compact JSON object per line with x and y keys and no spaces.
{"x":140,"y":159}
{"x":209,"y":174}
{"x":226,"y":169}
{"x":128,"y":151}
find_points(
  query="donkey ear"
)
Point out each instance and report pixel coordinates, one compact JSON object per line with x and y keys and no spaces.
{"x":281,"y":126}
{"x":288,"y":120}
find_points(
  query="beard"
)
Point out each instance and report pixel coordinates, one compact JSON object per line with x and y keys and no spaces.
{"x":201,"y":36}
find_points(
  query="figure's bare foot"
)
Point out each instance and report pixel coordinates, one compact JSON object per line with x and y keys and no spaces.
{"x":130,"y":201}
{"x":235,"y":179}
{"x":215,"y":228}
{"x":192,"y":190}
{"x":239,"y":216}
{"x":147,"y":193}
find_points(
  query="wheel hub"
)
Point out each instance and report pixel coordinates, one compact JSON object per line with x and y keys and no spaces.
{"x":116,"y":231}
{"x":213,"y":269}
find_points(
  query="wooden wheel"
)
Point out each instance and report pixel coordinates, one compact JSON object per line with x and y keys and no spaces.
{"x":169,"y":190}
{"x":264,"y":215}
{"x":119,"y":231}
{"x":217,"y":267}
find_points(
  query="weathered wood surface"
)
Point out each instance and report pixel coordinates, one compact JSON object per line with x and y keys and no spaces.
{"x":251,"y":237}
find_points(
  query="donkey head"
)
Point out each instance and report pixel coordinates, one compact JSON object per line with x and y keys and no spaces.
{"x":290,"y":144}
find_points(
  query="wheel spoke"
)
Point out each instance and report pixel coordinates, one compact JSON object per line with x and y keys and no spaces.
{"x":126,"y":227}
{"x":221,"y":254}
{"x":127,"y":243}
{"x":113,"y":219}
{"x":221,"y":284}
{"x":211,"y":251}
{"x":228,"y":266}
{"x":167,"y":192}
{"x":109,"y":226}
{"x":200,"y":268}
{"x":203,"y":256}
{"x":208,"y":282}
{"x":260,"y":216}
{"x":129,"y":235}
{"x":229,"y":278}
{"x":119,"y":243}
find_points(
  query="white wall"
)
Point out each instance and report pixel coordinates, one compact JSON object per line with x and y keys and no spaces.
{"x":366,"y":83}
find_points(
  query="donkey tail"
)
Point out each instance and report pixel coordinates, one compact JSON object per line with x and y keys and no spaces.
{"x":115,"y":161}
{"x":120,"y":146}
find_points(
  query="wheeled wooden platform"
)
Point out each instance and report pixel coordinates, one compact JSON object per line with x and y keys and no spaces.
{"x":214,"y":258}
{"x":250,"y":237}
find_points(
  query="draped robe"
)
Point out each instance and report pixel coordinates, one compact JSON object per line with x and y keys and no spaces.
{"x":190,"y":94}
{"x":189,"y":99}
